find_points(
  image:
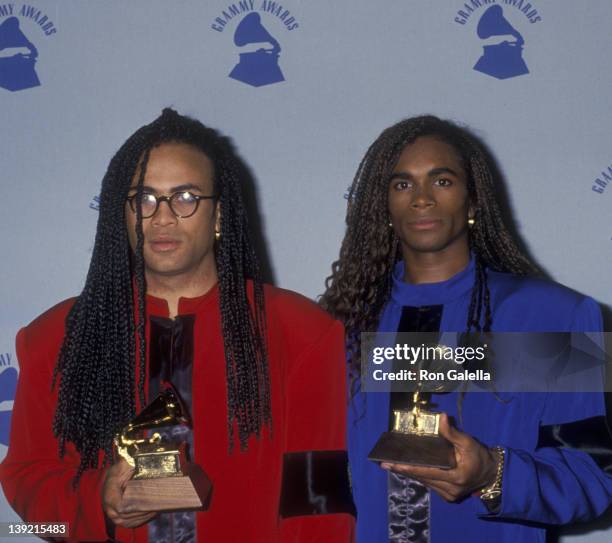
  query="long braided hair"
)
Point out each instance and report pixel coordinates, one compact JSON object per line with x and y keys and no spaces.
{"x":105,"y":334}
{"x":361,"y":279}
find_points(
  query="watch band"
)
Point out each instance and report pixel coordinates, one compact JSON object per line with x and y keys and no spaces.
{"x":493,"y":491}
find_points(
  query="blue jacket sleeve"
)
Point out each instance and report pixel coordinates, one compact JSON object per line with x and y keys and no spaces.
{"x":563,"y":483}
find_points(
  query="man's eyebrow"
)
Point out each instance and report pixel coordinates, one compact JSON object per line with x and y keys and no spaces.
{"x":185,"y":186}
{"x":444,"y":169}
{"x":399,"y":175}
{"x":431,"y":173}
{"x":178,"y":188}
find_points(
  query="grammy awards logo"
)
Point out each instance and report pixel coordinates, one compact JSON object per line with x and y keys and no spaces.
{"x":17,"y":58}
{"x":19,"y":55}
{"x":258,"y":63}
{"x":255,"y":40}
{"x":502,"y":55}
{"x":8,"y":387}
{"x":502,"y":44}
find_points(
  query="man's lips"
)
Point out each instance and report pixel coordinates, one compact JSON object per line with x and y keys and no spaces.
{"x":162,"y":245}
{"x":424,"y":224}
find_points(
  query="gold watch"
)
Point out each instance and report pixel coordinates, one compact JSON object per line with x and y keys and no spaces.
{"x":493,"y":492}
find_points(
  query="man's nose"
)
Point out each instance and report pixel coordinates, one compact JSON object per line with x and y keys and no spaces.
{"x":423,"y":197}
{"x":164,"y":214}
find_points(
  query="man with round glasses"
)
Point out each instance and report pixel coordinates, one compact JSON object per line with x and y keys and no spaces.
{"x":174,"y":294}
{"x":183,"y":203}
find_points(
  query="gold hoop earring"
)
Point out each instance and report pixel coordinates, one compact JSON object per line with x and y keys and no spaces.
{"x":471,"y":221}
{"x":217,"y":235}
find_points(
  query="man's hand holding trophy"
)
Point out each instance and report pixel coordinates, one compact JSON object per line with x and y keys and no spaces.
{"x":163,"y":479}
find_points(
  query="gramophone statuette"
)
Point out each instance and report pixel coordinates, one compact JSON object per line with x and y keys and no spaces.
{"x":163,"y":479}
{"x":414,"y":438}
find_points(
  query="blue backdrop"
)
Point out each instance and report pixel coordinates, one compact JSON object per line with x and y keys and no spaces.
{"x":76,"y":78}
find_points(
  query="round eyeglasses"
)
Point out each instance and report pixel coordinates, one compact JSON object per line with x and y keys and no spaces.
{"x":183,"y":204}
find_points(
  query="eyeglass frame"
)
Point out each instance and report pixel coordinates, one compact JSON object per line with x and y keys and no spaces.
{"x":168,"y":200}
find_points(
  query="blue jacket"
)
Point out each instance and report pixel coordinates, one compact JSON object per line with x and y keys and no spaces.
{"x":541,"y":486}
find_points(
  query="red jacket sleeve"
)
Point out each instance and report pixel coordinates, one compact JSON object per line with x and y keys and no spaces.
{"x":316,"y":403}
{"x":37,"y":484}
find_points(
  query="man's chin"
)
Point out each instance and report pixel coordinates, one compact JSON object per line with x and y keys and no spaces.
{"x":426,"y":245}
{"x":432,"y":243}
{"x":164,"y":269}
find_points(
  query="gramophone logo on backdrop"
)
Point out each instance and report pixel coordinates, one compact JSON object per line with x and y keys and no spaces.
{"x":502,"y":43}
{"x":8,"y":386}
{"x":257,"y":48}
{"x":18,"y":55}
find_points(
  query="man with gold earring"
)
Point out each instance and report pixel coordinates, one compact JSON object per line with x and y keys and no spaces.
{"x":174,"y":295}
{"x":426,"y":250}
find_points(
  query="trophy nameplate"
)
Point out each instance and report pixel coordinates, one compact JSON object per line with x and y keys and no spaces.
{"x":163,"y":480}
{"x":165,"y":463}
{"x":414,"y":438}
{"x":423,"y":423}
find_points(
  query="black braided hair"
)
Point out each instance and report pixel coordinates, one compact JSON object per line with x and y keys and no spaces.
{"x":361,"y":279}
{"x":105,"y":343}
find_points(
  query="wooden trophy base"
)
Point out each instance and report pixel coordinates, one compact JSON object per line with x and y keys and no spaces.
{"x":418,"y":450}
{"x":188,"y":491}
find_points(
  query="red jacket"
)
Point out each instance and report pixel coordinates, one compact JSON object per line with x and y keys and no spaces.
{"x":308,"y":397}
